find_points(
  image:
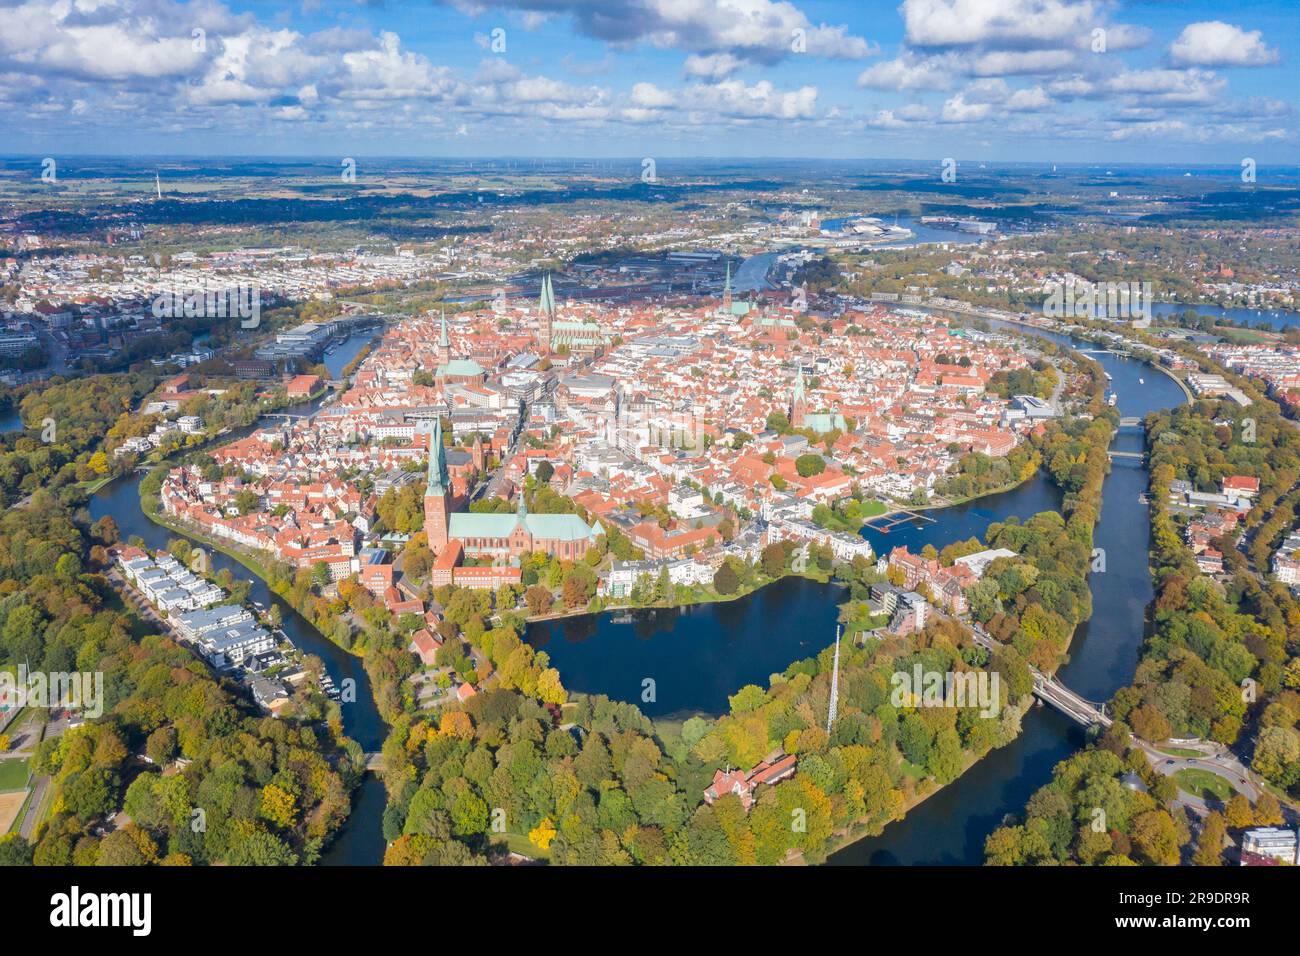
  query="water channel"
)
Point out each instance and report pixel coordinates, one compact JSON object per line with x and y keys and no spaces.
{"x":697,"y":656}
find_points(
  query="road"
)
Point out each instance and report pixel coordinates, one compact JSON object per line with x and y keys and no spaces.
{"x":1214,"y":759}
{"x":32,"y":812}
{"x":492,"y":486}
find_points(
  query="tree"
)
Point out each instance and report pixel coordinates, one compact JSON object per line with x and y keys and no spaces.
{"x":1268,"y":812}
{"x":1156,"y":837}
{"x":542,"y":834}
{"x":1209,"y":846}
{"x":1238,"y":812}
{"x":575,"y":592}
{"x":68,"y":567}
{"x":278,"y":806}
{"x":725,"y":580}
{"x":809,"y":465}
{"x":539,"y":600}
{"x":544,"y":472}
{"x":773,"y":560}
{"x":320,"y":574}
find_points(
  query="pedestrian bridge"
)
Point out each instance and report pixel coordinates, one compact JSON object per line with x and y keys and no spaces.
{"x":1055,"y":694}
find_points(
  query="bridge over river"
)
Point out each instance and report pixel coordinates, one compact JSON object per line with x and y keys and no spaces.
{"x":1052,"y":692}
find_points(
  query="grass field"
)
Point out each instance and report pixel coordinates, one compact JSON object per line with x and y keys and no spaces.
{"x":519,"y":843}
{"x":13,"y":774}
{"x":1203,"y":784}
{"x":11,"y":804}
{"x":1180,"y":752}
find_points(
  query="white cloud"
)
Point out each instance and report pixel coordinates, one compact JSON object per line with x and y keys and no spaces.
{"x":909,"y":72}
{"x":1018,"y":62}
{"x":998,"y":22}
{"x":958,"y":110}
{"x":116,"y":43}
{"x":760,"y":31}
{"x":713,"y":66}
{"x":729,"y":99}
{"x":1215,"y":43}
{"x":1170,"y":87}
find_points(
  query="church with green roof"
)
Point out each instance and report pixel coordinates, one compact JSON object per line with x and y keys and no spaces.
{"x":554,"y":335}
{"x":455,"y":369}
{"x":499,"y":537}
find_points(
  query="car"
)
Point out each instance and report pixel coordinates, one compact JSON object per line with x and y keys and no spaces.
{"x":1168,"y":762}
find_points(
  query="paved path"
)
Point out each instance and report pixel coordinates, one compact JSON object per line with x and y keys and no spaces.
{"x":31,"y":814}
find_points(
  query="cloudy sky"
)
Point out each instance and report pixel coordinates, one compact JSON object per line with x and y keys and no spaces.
{"x":1051,"y":80}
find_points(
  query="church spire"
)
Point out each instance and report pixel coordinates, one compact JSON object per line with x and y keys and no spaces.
{"x":798,"y":404}
{"x":545,"y":314}
{"x":438,"y":482}
{"x":444,"y":346}
{"x":726,"y":290}
{"x":546,"y":302}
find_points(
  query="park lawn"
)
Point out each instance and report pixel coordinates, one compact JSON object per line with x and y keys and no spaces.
{"x":1203,"y":784}
{"x":1180,"y":752}
{"x":13,"y":774}
{"x":872,"y":508}
{"x":1242,"y":336}
{"x":519,"y":843}
{"x":912,"y":770}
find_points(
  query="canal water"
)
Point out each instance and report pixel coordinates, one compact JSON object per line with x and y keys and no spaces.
{"x":950,"y":827}
{"x":695,"y":657}
{"x":1277,"y":319}
{"x":361,"y":840}
{"x":682,"y":661}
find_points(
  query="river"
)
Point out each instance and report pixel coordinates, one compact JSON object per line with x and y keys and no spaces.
{"x":1277,"y":319}
{"x":362,"y":839}
{"x":950,"y":826}
{"x":697,"y":656}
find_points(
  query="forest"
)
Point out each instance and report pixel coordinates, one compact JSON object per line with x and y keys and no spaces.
{"x":200,"y":776}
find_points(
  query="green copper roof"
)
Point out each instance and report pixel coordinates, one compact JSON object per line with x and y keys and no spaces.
{"x":546,"y":302}
{"x":822,"y":422}
{"x":547,"y":527}
{"x":468,"y":524}
{"x":438,"y":482}
{"x":460,"y":367}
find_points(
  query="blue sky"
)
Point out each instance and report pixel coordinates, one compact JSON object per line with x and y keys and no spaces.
{"x":1044,"y":80}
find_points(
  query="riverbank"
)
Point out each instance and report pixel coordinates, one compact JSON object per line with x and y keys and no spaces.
{"x":845,"y":838}
{"x":702,"y":598}
{"x":952,"y":502}
{"x":1187,"y":392}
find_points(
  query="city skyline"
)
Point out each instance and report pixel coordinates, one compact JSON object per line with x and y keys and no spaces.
{"x":1034,"y":80}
